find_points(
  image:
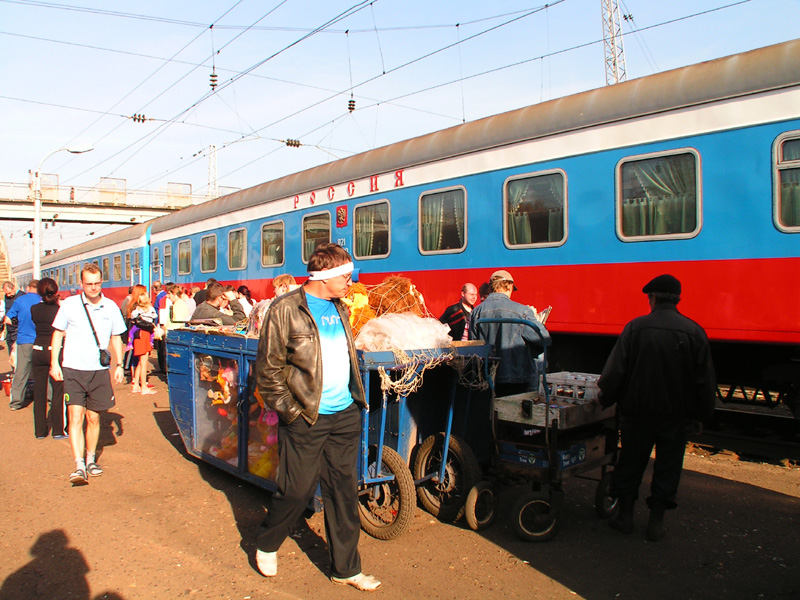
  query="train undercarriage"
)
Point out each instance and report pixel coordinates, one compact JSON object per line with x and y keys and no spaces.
{"x":756,"y":378}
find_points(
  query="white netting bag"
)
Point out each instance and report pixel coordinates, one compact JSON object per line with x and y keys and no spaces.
{"x":403,"y":331}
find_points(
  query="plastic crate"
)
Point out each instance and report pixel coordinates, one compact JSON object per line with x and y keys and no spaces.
{"x":567,"y":384}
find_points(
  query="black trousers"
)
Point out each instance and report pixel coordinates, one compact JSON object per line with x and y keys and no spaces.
{"x":325,"y":452}
{"x":40,"y":369}
{"x":161,"y":353}
{"x":639,"y":435}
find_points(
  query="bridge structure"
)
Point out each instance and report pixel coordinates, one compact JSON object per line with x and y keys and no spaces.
{"x":108,"y":203}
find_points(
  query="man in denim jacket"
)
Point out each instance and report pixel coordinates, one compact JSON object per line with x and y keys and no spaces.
{"x":515,"y":344}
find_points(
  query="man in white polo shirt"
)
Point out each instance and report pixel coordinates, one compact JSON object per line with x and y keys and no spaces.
{"x":91,"y":322}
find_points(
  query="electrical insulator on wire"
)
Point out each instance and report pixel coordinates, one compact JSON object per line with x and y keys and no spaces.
{"x":213,"y":83}
{"x":351,"y":105}
{"x":138,"y":118}
{"x":293,"y":143}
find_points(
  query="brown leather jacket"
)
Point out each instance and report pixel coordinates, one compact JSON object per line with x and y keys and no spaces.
{"x":288,"y":367}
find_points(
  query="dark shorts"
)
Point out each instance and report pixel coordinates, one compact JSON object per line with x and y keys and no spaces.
{"x":90,"y":389}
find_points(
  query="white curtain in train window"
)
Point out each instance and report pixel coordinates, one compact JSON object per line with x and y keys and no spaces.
{"x":272,"y":244}
{"x":372,"y":230}
{"x":365,"y":230}
{"x":442,"y":220}
{"x":535,"y":209}
{"x":790,"y":185}
{"x":659,"y":196}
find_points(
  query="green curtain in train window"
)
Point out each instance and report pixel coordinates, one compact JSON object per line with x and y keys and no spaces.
{"x":432,"y":222}
{"x":659,"y":196}
{"x":536,"y":210}
{"x":371,"y":230}
{"x":790,"y":185}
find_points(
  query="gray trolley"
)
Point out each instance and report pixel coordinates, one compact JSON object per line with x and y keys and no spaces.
{"x":544,"y":438}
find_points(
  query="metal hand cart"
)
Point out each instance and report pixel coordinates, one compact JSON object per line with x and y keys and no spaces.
{"x":397,"y":453}
{"x":543,"y":438}
{"x":221,"y":422}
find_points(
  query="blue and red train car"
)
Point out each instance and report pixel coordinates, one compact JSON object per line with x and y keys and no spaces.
{"x":694,"y":171}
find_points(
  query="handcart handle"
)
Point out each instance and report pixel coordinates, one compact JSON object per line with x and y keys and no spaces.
{"x":535,"y":326}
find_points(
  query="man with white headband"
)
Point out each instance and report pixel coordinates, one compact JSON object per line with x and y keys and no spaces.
{"x":307,"y":371}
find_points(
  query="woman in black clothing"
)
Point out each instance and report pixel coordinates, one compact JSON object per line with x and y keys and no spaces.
{"x":42,"y":315}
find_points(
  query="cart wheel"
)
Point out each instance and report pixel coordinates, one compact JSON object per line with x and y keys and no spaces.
{"x":480,"y":507}
{"x":445,"y":499}
{"x":604,"y":505}
{"x":386,"y":509}
{"x":535,"y":519}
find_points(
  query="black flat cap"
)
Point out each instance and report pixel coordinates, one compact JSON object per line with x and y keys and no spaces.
{"x":663,"y":284}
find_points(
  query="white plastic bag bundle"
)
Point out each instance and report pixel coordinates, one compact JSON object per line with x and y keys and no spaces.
{"x":403,"y":331}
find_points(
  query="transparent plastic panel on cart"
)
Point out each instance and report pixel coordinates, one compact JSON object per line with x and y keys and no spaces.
{"x":216,"y":388}
{"x":262,"y":436}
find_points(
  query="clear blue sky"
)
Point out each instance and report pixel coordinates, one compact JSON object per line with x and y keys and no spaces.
{"x":74,"y":72}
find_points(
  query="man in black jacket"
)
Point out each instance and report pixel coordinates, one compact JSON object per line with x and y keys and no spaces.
{"x":455,"y":316}
{"x":661,"y":377}
{"x":307,"y":371}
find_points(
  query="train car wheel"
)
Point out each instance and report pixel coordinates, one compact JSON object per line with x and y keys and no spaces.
{"x":604,"y":505}
{"x":445,"y":499}
{"x":535,"y":518}
{"x":480,"y":508}
{"x":387,"y":509}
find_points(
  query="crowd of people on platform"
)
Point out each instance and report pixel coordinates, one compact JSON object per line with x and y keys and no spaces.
{"x":659,"y":373}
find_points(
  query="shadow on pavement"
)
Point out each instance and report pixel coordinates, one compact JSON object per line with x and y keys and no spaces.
{"x":56,"y":572}
{"x":248,"y":502}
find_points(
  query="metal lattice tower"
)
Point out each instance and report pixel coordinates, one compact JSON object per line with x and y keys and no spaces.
{"x":612,"y":43}
{"x":213,"y":186}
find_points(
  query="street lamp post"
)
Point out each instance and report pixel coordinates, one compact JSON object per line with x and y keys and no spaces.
{"x":37,"y":206}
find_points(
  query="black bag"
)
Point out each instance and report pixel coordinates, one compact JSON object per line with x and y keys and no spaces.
{"x":144,"y":324}
{"x":105,"y":358}
{"x":127,"y":359}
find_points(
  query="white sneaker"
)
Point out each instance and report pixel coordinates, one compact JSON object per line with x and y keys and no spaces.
{"x":267,"y":563}
{"x":365,"y":583}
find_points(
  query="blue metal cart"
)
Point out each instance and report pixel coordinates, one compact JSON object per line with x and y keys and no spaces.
{"x":222,"y":422}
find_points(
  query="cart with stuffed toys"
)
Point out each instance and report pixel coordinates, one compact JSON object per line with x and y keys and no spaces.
{"x":407,"y":448}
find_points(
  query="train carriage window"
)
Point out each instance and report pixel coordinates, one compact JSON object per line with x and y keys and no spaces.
{"x":156,"y":264}
{"x":443,"y":221}
{"x":106,"y":269}
{"x":167,"y":261}
{"x":237,"y":249}
{"x":117,"y":267}
{"x":372,"y":231}
{"x":535,"y":208}
{"x":70,"y":275}
{"x":272,"y":244}
{"x":208,"y":253}
{"x":128,"y":267}
{"x":184,"y":257}
{"x":316,"y":231}
{"x":63,"y":276}
{"x":659,"y":196}
{"x":787,"y":184}
{"x":136,"y":270}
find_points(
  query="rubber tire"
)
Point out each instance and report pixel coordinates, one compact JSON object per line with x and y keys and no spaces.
{"x":389,"y":515}
{"x":535,"y":519}
{"x":480,"y":509}
{"x":605,"y":506}
{"x":445,"y":500}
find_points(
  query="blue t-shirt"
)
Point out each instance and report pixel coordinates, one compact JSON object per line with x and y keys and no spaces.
{"x":26,"y":331}
{"x":335,"y":356}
